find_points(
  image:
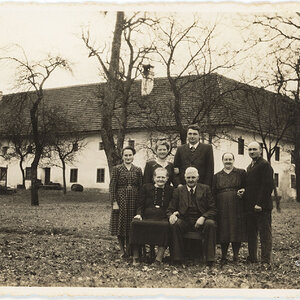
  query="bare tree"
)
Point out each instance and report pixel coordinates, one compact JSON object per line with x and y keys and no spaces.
{"x":281,"y":35}
{"x":188,"y":54}
{"x":269,"y":118}
{"x":65,"y":142}
{"x":17,"y":132}
{"x":119,"y":74}
{"x":32,"y":77}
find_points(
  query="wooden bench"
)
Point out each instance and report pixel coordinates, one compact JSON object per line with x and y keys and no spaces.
{"x":193,"y":245}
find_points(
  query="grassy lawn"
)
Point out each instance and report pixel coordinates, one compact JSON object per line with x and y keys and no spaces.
{"x":65,"y":242}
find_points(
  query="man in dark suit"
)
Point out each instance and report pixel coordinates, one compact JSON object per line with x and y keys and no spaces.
{"x":258,"y":190}
{"x":192,"y":208}
{"x":194,"y":154}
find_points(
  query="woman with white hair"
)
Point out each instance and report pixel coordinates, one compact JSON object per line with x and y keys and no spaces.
{"x":150,"y":225}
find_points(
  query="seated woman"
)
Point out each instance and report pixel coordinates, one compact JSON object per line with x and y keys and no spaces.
{"x":150,"y":225}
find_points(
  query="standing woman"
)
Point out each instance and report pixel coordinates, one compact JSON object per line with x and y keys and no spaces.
{"x":162,"y":152}
{"x":125,"y":185}
{"x":228,"y":189}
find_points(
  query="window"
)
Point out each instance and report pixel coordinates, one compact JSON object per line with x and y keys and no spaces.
{"x":293,"y":157}
{"x":75,"y":147}
{"x":131,"y":143}
{"x":241,"y":146}
{"x":276,"y":179}
{"x":101,"y":146}
{"x":73,"y":175}
{"x":277,"y":153}
{"x":262,"y":149}
{"x":100,"y":175}
{"x":28,"y":173}
{"x":29,"y":149}
{"x":3,"y":173}
{"x":4,"y":150}
{"x":293,"y":181}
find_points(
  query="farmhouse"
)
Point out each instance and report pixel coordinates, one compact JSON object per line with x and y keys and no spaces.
{"x":218,"y":104}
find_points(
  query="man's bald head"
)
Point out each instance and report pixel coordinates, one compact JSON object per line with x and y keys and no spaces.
{"x":254,"y":150}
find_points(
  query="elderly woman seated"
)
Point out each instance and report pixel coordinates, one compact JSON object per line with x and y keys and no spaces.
{"x":150,"y":225}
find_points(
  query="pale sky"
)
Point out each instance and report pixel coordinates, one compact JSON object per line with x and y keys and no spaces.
{"x":56,"y":29}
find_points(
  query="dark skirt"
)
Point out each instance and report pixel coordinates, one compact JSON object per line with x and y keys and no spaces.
{"x":152,"y":230}
{"x":231,"y":218}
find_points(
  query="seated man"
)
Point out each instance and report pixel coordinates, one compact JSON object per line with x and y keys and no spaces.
{"x":192,"y":208}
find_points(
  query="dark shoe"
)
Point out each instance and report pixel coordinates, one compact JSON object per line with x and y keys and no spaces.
{"x":135,"y":262}
{"x":210,"y":264}
{"x":251,"y":260}
{"x":223,"y":261}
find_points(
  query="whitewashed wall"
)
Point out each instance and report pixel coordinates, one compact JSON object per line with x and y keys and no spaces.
{"x":91,"y":158}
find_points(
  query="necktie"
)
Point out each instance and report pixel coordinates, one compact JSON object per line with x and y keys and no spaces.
{"x":193,"y":148}
{"x":192,"y":195}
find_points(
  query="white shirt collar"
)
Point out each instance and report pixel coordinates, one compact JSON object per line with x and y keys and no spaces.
{"x":195,"y":146}
{"x":189,"y":188}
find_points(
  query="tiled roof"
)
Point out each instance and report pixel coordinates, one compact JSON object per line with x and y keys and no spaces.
{"x":81,"y":104}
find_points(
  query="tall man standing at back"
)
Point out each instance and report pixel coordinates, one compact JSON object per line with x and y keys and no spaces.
{"x":258,"y":190}
{"x":194,"y":154}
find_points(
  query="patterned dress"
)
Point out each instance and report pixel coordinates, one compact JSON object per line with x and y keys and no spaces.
{"x":150,"y":167}
{"x":125,"y":190}
{"x":231,"y":212}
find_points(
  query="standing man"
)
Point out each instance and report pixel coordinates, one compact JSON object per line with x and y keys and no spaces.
{"x":192,"y":208}
{"x":258,"y":190}
{"x":194,"y":154}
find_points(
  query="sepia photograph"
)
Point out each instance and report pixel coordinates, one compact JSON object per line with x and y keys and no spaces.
{"x":153,"y":147}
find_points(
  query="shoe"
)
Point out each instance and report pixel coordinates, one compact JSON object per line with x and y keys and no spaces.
{"x":251,"y":260}
{"x":210,"y":264}
{"x":235,"y":258}
{"x":135,"y":262}
{"x":223,"y":261}
{"x":157,"y":263}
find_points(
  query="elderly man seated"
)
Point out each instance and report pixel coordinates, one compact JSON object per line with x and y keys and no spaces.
{"x":192,"y":208}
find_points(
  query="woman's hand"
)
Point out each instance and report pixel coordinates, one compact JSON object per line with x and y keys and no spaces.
{"x":138,"y":217}
{"x":173,"y":218}
{"x":240,"y":192}
{"x":115,"y":205}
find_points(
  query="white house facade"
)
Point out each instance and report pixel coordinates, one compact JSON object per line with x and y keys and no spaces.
{"x":90,"y":168}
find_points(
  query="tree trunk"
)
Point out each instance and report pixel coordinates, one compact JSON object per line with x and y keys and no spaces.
{"x":110,"y":95}
{"x":34,"y":182}
{"x":277,"y":199}
{"x":177,"y":111}
{"x":22,"y":171}
{"x":64,"y":177}
{"x":297,"y":151}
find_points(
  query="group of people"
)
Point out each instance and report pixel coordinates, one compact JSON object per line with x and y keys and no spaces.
{"x":158,"y":207}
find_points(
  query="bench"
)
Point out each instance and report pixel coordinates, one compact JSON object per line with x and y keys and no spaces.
{"x":193,"y":245}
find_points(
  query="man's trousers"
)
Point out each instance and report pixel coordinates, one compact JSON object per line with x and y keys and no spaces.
{"x":260,"y":222}
{"x":209,"y":236}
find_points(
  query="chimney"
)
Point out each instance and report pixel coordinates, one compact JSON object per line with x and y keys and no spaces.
{"x":148,"y":79}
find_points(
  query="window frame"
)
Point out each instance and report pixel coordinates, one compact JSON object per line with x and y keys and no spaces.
{"x":100,"y":176}
{"x":72,"y":175}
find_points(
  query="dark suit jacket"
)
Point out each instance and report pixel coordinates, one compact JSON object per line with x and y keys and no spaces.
{"x":202,"y":159}
{"x":204,"y":201}
{"x":259,"y":185}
